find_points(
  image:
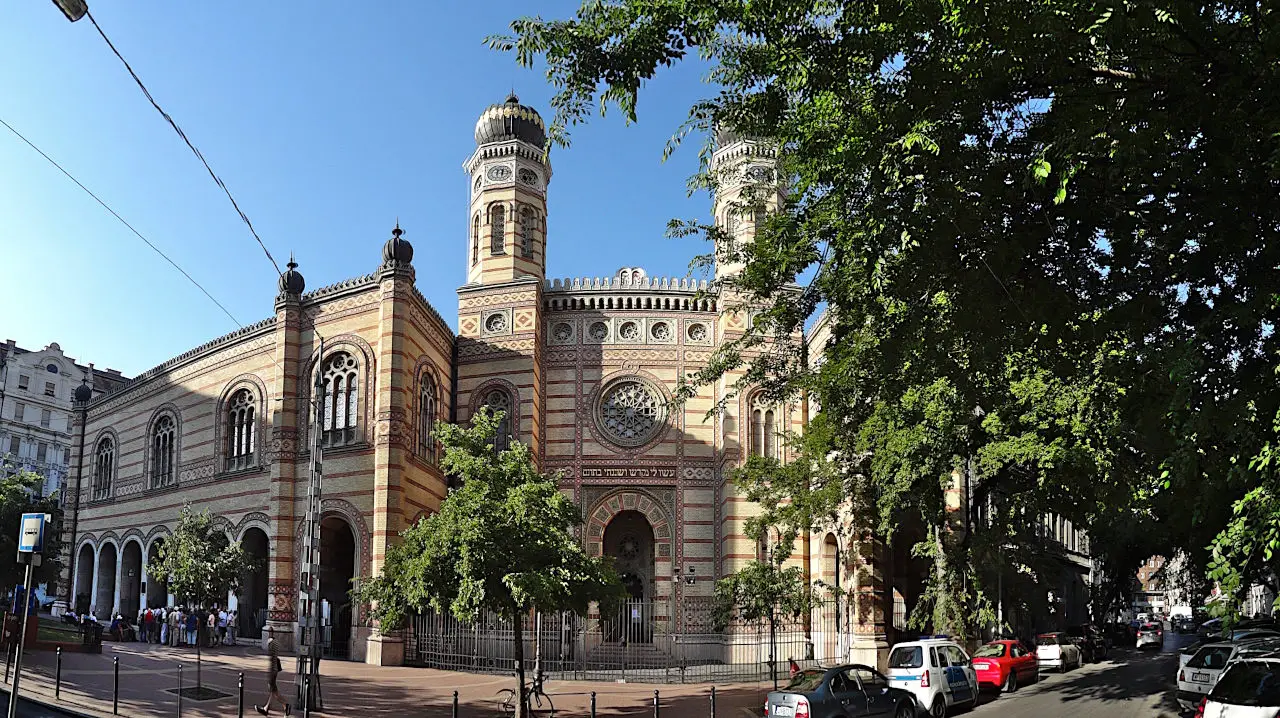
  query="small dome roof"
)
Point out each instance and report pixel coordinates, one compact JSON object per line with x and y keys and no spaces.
{"x":292,"y":282}
{"x":83,"y":393}
{"x":396,"y":249}
{"x":511,"y":121}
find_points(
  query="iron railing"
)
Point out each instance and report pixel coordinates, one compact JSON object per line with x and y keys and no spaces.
{"x":633,"y":642}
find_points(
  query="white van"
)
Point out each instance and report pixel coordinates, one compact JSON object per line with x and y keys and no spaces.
{"x":937,"y":671}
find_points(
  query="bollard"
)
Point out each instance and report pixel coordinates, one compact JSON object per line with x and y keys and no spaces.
{"x":8,"y":661}
{"x":713,"y":702}
{"x":179,"y":690}
{"x":655,"y":704}
{"x":115,"y":690}
{"x":240,"y":700}
{"x":593,"y":704}
{"x":306,"y":697}
{"x":455,"y":704}
{"x":57,"y":680}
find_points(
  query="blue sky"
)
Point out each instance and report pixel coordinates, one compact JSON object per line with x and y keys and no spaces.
{"x":326,"y":121}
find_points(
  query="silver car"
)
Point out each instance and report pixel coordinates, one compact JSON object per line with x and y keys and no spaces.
{"x":1150,"y":635}
{"x":850,"y":690}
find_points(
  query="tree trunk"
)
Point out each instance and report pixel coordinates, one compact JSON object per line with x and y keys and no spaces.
{"x":199,"y":640}
{"x":518,"y":635}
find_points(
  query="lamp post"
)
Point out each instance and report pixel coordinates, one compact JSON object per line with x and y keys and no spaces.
{"x":73,"y":9}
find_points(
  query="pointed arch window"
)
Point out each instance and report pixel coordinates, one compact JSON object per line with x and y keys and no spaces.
{"x":475,"y":239}
{"x":241,"y":430}
{"x":341,"y":399}
{"x":428,"y":401}
{"x":498,"y":400}
{"x":764,"y":429}
{"x":163,"y":451}
{"x":498,"y":229}
{"x":528,"y":225}
{"x":104,"y":466}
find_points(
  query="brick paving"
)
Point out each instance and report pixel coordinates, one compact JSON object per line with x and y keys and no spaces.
{"x":149,"y":675}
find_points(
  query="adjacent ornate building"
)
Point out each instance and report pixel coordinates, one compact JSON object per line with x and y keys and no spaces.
{"x":584,"y":368}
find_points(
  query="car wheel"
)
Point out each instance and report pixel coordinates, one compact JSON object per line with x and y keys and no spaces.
{"x":1011,"y":683}
{"x":939,"y":709}
{"x":905,"y":710}
{"x":1062,"y":665}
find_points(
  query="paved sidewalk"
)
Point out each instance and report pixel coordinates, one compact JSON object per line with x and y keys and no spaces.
{"x":149,"y":679}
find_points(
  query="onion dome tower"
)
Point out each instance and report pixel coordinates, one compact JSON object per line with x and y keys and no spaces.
{"x":291,"y":283}
{"x":747,"y":190}
{"x":509,"y":172}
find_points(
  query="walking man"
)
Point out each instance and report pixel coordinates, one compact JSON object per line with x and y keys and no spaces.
{"x":173,"y":623}
{"x":222,"y":626}
{"x":273,"y":670}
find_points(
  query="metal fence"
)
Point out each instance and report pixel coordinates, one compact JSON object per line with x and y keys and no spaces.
{"x":632,"y":643}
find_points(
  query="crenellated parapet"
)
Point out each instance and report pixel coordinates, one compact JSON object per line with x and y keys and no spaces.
{"x":629,"y":288}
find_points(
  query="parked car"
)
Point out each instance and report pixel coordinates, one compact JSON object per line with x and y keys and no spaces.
{"x":1182,"y":624}
{"x":1005,"y":664}
{"x":1248,"y":688}
{"x":1121,"y":634}
{"x":1151,"y":635}
{"x":1093,"y":646}
{"x":838,"y":692}
{"x":1056,"y":650}
{"x":1201,"y":671}
{"x":937,"y":671}
{"x":1210,"y":628}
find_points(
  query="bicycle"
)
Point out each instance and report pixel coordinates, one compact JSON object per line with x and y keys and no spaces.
{"x":538,"y":702}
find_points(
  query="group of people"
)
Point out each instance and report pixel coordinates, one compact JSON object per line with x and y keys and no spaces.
{"x":179,"y":626}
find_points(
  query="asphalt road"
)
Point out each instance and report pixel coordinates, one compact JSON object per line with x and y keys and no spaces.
{"x":1128,"y":685}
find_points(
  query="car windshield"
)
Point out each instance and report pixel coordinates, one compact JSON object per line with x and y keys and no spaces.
{"x":991,"y":650}
{"x":1211,"y":657}
{"x":906,"y":657}
{"x":805,"y":681}
{"x":1252,"y":633}
{"x":1250,"y":683}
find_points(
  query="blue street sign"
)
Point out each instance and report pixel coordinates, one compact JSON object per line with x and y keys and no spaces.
{"x":31,"y":533}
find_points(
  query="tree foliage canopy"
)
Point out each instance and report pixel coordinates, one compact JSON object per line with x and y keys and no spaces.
{"x":1044,"y":233}
{"x":502,"y":541}
{"x":20,"y":493}
{"x":199,"y":564}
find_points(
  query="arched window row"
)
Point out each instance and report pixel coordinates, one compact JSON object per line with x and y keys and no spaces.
{"x":104,"y":466}
{"x":528,"y":226}
{"x":764,"y":429}
{"x":428,"y":408}
{"x":340,"y":408}
{"x":497,"y":229}
{"x":164,"y":452}
{"x":241,"y":437}
{"x":664,"y":303}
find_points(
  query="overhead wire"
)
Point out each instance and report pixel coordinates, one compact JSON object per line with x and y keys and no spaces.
{"x":123,"y":221}
{"x":199,"y":155}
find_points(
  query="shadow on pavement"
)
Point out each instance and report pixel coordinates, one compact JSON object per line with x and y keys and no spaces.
{"x":1139,"y":676}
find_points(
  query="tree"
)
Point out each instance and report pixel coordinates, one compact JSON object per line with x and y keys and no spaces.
{"x":763,"y":591}
{"x":502,"y":541}
{"x":20,"y":493}
{"x":1040,"y":233}
{"x":200,"y":565}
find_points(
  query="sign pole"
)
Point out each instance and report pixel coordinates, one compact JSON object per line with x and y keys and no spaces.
{"x":22,"y":634}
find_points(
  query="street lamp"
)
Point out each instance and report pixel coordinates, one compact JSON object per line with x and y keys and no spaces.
{"x":73,"y":9}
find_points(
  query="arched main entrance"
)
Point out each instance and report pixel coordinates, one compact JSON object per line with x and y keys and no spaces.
{"x":104,"y":602}
{"x":629,"y":541}
{"x":84,"y":579}
{"x":337,"y":568}
{"x":252,"y":599}
{"x":131,"y":579}
{"x":157,"y":590}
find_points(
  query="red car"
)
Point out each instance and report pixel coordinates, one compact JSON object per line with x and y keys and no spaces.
{"x":1004,"y":665}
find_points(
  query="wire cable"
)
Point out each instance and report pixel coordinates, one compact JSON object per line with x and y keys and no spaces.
{"x":199,"y":155}
{"x":122,"y":220}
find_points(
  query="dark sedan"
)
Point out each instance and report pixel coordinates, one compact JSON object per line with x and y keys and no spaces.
{"x":851,"y":690}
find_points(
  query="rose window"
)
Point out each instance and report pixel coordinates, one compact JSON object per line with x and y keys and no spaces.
{"x":629,"y":331}
{"x":599,"y":331}
{"x":629,"y":548}
{"x":698,"y":332}
{"x":631,"y":412}
{"x":496,"y":323}
{"x":563,"y":332}
{"x":661,"y":331}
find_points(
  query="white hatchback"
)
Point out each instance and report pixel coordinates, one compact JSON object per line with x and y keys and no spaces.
{"x":937,"y":671}
{"x":1201,"y":672}
{"x":1249,"y":688}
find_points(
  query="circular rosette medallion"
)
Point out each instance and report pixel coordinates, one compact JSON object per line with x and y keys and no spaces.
{"x":631,"y":412}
